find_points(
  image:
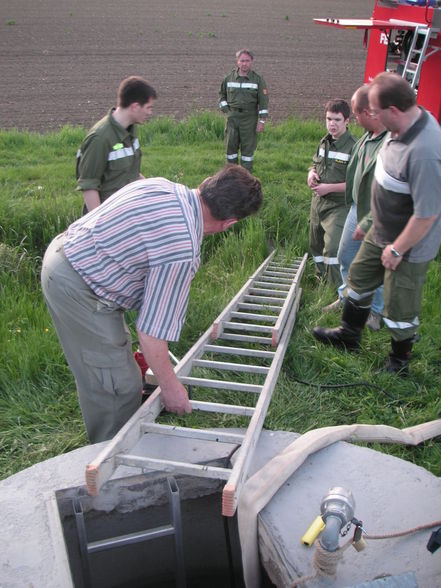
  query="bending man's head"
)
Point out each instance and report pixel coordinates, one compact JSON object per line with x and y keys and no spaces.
{"x":233,"y":193}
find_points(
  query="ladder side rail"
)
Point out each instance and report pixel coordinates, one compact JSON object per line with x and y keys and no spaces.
{"x":239,"y":472}
{"x":103,"y":466}
{"x":281,"y":321}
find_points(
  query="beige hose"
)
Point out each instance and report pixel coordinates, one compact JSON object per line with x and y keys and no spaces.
{"x":262,"y":486}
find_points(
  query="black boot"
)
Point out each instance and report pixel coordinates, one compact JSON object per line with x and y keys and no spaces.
{"x":399,"y":357}
{"x":348,"y":334}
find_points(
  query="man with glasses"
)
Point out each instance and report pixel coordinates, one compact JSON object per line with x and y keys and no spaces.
{"x":359,"y":178}
{"x":406,"y":231}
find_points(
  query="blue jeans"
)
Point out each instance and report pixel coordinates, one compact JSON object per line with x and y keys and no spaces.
{"x":347,"y":250}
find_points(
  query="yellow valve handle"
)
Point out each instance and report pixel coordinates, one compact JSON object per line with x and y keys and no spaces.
{"x":312,"y":533}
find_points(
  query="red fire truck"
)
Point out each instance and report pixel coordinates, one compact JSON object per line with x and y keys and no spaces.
{"x":403,"y":36}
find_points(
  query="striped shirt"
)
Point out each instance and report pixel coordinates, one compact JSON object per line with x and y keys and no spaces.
{"x":141,"y":249}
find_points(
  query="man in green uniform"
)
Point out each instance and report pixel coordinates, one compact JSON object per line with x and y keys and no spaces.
{"x":110,"y":156}
{"x":327,"y":180}
{"x":243,"y":97}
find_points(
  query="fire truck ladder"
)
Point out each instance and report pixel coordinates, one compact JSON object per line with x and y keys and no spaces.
{"x":416,"y":56}
{"x":257,"y":325}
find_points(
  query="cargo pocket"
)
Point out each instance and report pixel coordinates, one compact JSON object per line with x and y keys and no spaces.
{"x":115,"y":371}
{"x":406,"y":300}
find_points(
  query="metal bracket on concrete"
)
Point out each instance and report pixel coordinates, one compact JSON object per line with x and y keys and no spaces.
{"x":175,"y":528}
{"x":257,"y":325}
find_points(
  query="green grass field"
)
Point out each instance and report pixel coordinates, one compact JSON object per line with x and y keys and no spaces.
{"x":318,"y":386}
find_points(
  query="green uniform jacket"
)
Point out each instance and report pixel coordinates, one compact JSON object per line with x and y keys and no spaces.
{"x":331,"y":162}
{"x":362,"y":195}
{"x":244,"y":94}
{"x":109,"y":157}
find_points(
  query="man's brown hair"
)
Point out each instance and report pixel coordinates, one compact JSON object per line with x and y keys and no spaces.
{"x":134,"y":89}
{"x":232,"y":193}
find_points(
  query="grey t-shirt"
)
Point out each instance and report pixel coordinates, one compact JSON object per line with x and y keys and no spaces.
{"x":408,"y":182}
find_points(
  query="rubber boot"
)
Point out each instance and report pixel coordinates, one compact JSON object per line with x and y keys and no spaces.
{"x":399,"y":357}
{"x":348,"y":334}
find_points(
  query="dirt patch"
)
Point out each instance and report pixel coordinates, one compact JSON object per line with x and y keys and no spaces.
{"x":61,"y":61}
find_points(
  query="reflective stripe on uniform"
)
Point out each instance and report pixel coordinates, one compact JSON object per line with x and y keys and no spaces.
{"x":335,"y":155}
{"x":124,"y":152}
{"x":401,"y":324}
{"x":247,"y":158}
{"x":232,"y":156}
{"x":387,"y":181}
{"x":247,"y":85}
{"x":326,"y":260}
{"x":263,"y":111}
{"x":352,"y":294}
{"x":223,"y":103}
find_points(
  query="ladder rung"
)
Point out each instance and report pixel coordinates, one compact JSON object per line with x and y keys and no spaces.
{"x":203,"y":434}
{"x":220,"y":384}
{"x":234,"y":367}
{"x":278,"y":273}
{"x":165,"y":465}
{"x":248,"y":327}
{"x":268,"y":291}
{"x":251,"y":306}
{"x":247,"y":411}
{"x":276,"y":285}
{"x":279,"y":280}
{"x":246,"y":338}
{"x":263,"y":299}
{"x":239,"y":351}
{"x":251,"y":315}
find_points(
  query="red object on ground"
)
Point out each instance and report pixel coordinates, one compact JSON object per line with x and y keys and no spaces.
{"x":140,"y":360}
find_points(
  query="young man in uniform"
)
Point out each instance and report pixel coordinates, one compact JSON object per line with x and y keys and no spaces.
{"x":406,"y":231}
{"x":359,"y":178}
{"x":327,"y":180}
{"x":138,"y":250}
{"x":243,"y":97}
{"x":110,"y":156}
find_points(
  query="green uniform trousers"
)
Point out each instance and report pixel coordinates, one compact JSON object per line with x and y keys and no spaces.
{"x":327,"y":219}
{"x":240,"y":132}
{"x":97,"y":346}
{"x":402,"y":293}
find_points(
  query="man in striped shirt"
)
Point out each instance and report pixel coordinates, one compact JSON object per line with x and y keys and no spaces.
{"x":110,"y":155}
{"x":139,"y":250}
{"x":406,"y":231}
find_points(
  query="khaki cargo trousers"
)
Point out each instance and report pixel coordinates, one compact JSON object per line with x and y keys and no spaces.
{"x":402,"y":293}
{"x":96,"y":343}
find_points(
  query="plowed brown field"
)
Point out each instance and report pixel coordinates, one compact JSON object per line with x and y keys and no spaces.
{"x":61,"y":61}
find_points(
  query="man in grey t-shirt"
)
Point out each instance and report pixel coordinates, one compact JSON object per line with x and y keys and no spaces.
{"x":406,"y":231}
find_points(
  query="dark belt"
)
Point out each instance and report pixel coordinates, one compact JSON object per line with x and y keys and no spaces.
{"x":242,"y":109}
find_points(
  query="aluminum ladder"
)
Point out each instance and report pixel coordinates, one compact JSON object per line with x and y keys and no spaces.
{"x":257,"y":325}
{"x":416,"y":56}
